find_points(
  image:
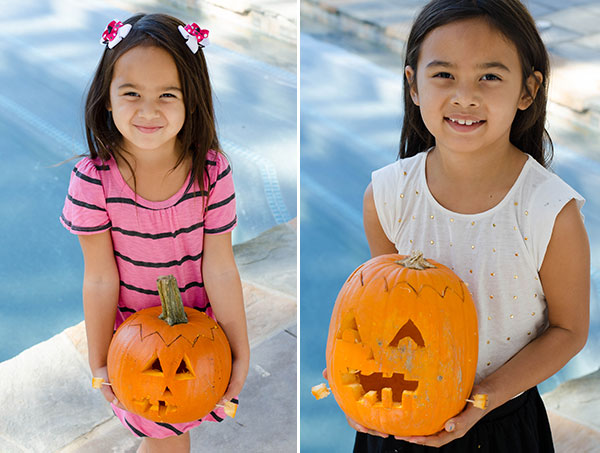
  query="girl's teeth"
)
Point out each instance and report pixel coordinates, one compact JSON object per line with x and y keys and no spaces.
{"x":467,"y":122}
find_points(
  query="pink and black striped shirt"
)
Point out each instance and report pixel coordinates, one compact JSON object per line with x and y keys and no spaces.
{"x":152,"y":238}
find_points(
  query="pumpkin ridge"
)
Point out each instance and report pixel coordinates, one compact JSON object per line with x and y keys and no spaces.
{"x":359,"y":268}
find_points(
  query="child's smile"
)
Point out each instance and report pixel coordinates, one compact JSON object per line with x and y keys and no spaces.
{"x":147,"y":129}
{"x":463,"y":123}
{"x":468,"y":86}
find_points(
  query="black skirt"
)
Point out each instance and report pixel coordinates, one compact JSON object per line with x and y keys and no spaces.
{"x":518,"y":426}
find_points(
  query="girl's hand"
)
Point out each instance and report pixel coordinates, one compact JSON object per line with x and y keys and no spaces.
{"x":357,"y":426}
{"x":363,"y":429}
{"x":454,"y":428}
{"x":107,"y":389}
{"x":239,"y":372}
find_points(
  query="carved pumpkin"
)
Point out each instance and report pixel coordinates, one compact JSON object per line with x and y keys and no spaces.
{"x":173,"y":370}
{"x":402,"y":346}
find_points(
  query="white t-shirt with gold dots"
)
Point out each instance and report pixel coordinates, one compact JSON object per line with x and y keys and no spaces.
{"x":497,"y":253}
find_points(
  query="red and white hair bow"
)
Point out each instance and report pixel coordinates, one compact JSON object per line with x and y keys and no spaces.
{"x":114,"y":33}
{"x":195,"y":36}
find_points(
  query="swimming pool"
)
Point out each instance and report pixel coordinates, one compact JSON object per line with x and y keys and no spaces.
{"x":350,"y":126}
{"x":43,"y":81}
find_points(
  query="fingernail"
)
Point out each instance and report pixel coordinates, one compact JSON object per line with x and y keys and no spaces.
{"x":450,"y":427}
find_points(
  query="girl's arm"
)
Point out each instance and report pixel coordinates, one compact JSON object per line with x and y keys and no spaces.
{"x":565,"y":277}
{"x":379,"y":244}
{"x":100,"y":297}
{"x":224,"y":289}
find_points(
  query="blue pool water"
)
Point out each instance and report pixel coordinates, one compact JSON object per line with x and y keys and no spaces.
{"x":43,"y":78}
{"x":350,"y":125}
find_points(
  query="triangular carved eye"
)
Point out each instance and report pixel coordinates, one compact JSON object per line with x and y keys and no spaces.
{"x":184,"y":370}
{"x":408,"y":330}
{"x":349,"y":329}
{"x":153,"y":368}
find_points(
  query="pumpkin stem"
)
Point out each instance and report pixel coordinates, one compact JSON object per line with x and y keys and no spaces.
{"x":170,"y":299}
{"x":416,"y":261}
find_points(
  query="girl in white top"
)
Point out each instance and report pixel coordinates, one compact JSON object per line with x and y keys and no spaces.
{"x":471,"y":191}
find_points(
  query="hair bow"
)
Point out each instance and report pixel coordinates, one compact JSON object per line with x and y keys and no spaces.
{"x":195,"y":36}
{"x":114,"y":33}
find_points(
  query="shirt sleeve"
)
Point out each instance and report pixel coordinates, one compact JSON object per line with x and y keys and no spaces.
{"x":220,"y":212}
{"x":385,"y":190}
{"x":549,"y":199}
{"x":84,"y":211}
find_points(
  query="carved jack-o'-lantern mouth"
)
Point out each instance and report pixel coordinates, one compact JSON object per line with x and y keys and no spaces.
{"x":160,"y":407}
{"x":384,"y":389}
{"x":372,"y":386}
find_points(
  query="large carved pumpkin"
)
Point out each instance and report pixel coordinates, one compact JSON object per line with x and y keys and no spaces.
{"x":173,"y":370}
{"x":402,"y":346}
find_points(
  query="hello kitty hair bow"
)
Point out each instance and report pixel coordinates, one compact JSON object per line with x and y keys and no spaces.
{"x":114,"y":33}
{"x":195,"y":36}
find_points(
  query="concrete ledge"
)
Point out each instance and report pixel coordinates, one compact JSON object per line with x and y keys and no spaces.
{"x":577,"y":400}
{"x":576,"y":85}
{"x":273,"y":17}
{"x":108,"y":436}
{"x":48,"y":390}
{"x":574,"y":412}
{"x":571,"y":437}
{"x":260,"y":259}
{"x":54,"y":409}
{"x":351,"y":16}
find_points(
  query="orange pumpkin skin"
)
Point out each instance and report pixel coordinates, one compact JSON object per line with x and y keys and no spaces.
{"x":169,"y":374}
{"x":412,"y":333}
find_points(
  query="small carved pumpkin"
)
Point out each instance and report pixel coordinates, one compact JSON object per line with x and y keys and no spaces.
{"x":402,"y":346}
{"x":172,"y":367}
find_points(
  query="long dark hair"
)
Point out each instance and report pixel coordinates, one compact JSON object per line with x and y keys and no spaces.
{"x":198,"y":134}
{"x":511,"y":18}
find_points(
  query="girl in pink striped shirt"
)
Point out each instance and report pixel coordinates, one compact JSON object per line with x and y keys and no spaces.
{"x":155,"y":196}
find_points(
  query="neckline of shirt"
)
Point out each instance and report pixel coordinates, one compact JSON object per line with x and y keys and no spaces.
{"x":155,"y":205}
{"x":493,"y":209}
